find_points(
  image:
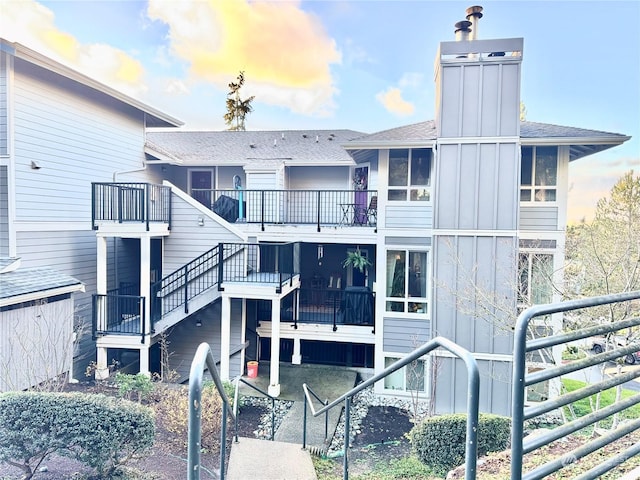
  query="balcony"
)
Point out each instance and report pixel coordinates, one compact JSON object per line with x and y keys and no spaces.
{"x":343,"y":208}
{"x":131,"y":203}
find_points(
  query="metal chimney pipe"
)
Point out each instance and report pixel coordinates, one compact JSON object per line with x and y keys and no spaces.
{"x":462,"y":30}
{"x":474,"y":14}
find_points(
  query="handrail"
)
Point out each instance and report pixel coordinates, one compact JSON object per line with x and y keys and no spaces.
{"x":204,"y":356}
{"x":273,"y":405}
{"x":308,"y":391}
{"x":473,"y":386}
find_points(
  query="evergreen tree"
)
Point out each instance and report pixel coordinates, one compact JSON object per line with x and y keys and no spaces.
{"x":237,"y":108}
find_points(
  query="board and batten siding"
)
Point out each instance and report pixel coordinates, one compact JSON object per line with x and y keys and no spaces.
{"x":188,"y":240}
{"x":36,"y":344}
{"x":403,"y":335}
{"x":5,"y":58}
{"x":539,"y":218}
{"x":318,"y":178}
{"x":451,"y":386}
{"x":415,"y":215}
{"x":76,"y":136}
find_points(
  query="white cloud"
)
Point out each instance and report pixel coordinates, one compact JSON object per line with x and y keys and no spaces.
{"x":392,"y":100}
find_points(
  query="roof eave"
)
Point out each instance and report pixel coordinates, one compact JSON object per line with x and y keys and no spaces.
{"x":40,"y":294}
{"x":380,"y":144}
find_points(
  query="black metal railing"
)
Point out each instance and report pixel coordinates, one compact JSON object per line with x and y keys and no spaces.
{"x":130,"y":203}
{"x":178,"y":288}
{"x":297,"y":207}
{"x":118,"y":314}
{"x":523,"y":380}
{"x":263,"y":263}
{"x":473,"y":400}
{"x":236,"y":404}
{"x":352,"y":306}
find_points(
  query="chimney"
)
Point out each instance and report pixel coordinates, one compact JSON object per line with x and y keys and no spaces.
{"x":474,"y":14}
{"x":462,"y":31}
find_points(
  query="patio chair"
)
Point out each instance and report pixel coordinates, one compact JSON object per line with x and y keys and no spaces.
{"x":372,"y":212}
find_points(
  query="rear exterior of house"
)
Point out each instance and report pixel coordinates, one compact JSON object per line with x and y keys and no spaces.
{"x":240,"y":238}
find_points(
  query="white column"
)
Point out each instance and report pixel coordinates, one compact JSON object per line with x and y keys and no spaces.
{"x":101,"y":266}
{"x":145,"y":282}
{"x":102,"y":370}
{"x":225,"y":337}
{"x":144,"y":360}
{"x":243,"y":334}
{"x":296,"y":358}
{"x":274,"y":379}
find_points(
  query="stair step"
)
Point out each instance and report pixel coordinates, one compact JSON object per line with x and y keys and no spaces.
{"x":253,"y":459}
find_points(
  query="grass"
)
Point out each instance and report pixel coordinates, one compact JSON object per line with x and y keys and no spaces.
{"x":405,"y":468}
{"x":607,"y":397}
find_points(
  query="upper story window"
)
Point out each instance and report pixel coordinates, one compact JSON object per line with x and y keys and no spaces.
{"x":407,"y":277}
{"x":410,"y":174}
{"x":539,"y":175}
{"x":535,"y":270}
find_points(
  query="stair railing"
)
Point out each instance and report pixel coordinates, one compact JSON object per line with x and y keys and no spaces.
{"x":204,"y":357}
{"x":236,"y":404}
{"x":307,"y":393}
{"x":473,"y":388}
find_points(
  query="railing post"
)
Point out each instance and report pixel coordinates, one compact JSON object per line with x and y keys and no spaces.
{"x":220,"y":265}
{"x":304,"y":425}
{"x":147,"y":205}
{"x":347,"y":414}
{"x":273,"y":418}
{"x":262,"y":209}
{"x":186,"y":289}
{"x":143,"y":319}
{"x":318,"y":210}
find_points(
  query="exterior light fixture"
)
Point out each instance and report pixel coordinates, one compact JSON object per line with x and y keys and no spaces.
{"x":201,"y":221}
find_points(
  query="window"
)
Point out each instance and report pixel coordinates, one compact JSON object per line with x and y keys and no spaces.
{"x":411,"y":377}
{"x":536,"y":275}
{"x":406,"y":289}
{"x":410,"y":174}
{"x":539,"y":174}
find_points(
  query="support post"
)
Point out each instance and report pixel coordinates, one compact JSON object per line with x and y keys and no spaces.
{"x":225,"y":337}
{"x":274,"y":378}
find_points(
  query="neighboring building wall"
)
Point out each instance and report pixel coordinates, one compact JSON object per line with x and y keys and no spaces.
{"x":36,"y":343}
{"x":5,"y":58}
{"x":318,"y":178}
{"x":4,"y":213}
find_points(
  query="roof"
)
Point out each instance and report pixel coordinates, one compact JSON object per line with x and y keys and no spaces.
{"x":246,"y":148}
{"x":153,"y":117}
{"x":25,"y":284}
{"x":582,"y":141}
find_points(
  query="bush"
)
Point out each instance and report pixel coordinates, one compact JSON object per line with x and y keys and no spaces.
{"x":440,"y":442}
{"x":140,"y":384}
{"x":173,"y":411}
{"x":101,"y":432}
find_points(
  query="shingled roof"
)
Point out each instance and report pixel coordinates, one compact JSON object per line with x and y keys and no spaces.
{"x":25,"y":284}
{"x":293,"y":147}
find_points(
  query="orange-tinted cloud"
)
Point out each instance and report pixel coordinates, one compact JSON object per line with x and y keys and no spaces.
{"x":392,"y":100}
{"x":33,"y":25}
{"x":283,"y":50}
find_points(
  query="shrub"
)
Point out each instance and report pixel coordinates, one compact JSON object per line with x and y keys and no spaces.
{"x":140,"y":384}
{"x":440,"y":442}
{"x":173,"y":411}
{"x":101,"y":432}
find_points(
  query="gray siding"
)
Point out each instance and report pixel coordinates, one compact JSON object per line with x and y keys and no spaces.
{"x":4,"y":212}
{"x":477,"y":187}
{"x":416,"y":215}
{"x":185,"y":338}
{"x":188,"y":240}
{"x":36,"y":344}
{"x":451,"y":386}
{"x":539,"y":218}
{"x":467,"y":270}
{"x":403,"y":335}
{"x":4,"y":103}
{"x":76,"y":139}
{"x":318,"y":178}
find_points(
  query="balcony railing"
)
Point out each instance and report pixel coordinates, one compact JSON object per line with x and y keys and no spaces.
{"x":130,"y":203}
{"x":119,"y":312}
{"x":351,"y":306}
{"x":298,"y":207}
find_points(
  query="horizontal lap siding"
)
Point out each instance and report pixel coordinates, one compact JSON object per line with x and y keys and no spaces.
{"x":402,"y":335}
{"x":75,"y":139}
{"x":409,"y":216}
{"x":4,"y":104}
{"x":189,"y":240}
{"x":539,"y":218}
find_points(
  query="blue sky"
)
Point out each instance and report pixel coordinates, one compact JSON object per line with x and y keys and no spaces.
{"x":362,"y":65}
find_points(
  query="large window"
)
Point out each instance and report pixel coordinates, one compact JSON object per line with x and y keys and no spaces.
{"x":410,"y":174}
{"x":539,"y":174}
{"x":407,"y":278}
{"x":536,"y":278}
{"x":411,"y":377}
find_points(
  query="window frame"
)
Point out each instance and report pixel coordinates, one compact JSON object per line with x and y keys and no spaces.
{"x":411,"y":304}
{"x":537,"y":192}
{"x":421,"y":190}
{"x":392,"y":358}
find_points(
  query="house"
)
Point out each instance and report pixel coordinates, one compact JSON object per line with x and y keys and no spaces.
{"x":330,"y":246}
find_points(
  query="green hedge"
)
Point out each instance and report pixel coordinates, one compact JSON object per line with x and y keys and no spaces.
{"x":440,"y":442}
{"x":101,"y":432}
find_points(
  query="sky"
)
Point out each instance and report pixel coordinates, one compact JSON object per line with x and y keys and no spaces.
{"x":363,"y":65}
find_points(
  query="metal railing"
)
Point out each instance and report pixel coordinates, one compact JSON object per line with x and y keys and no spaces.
{"x":204,"y":357}
{"x":298,"y":207}
{"x":522,"y":380}
{"x":117,"y":314}
{"x":236,"y":405}
{"x":473,"y":388}
{"x":262,"y":263}
{"x":130,"y":202}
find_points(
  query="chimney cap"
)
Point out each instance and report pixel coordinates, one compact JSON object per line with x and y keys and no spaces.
{"x":462,"y":26}
{"x":475,"y":11}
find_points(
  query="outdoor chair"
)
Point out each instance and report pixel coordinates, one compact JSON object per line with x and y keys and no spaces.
{"x":372,"y":211}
